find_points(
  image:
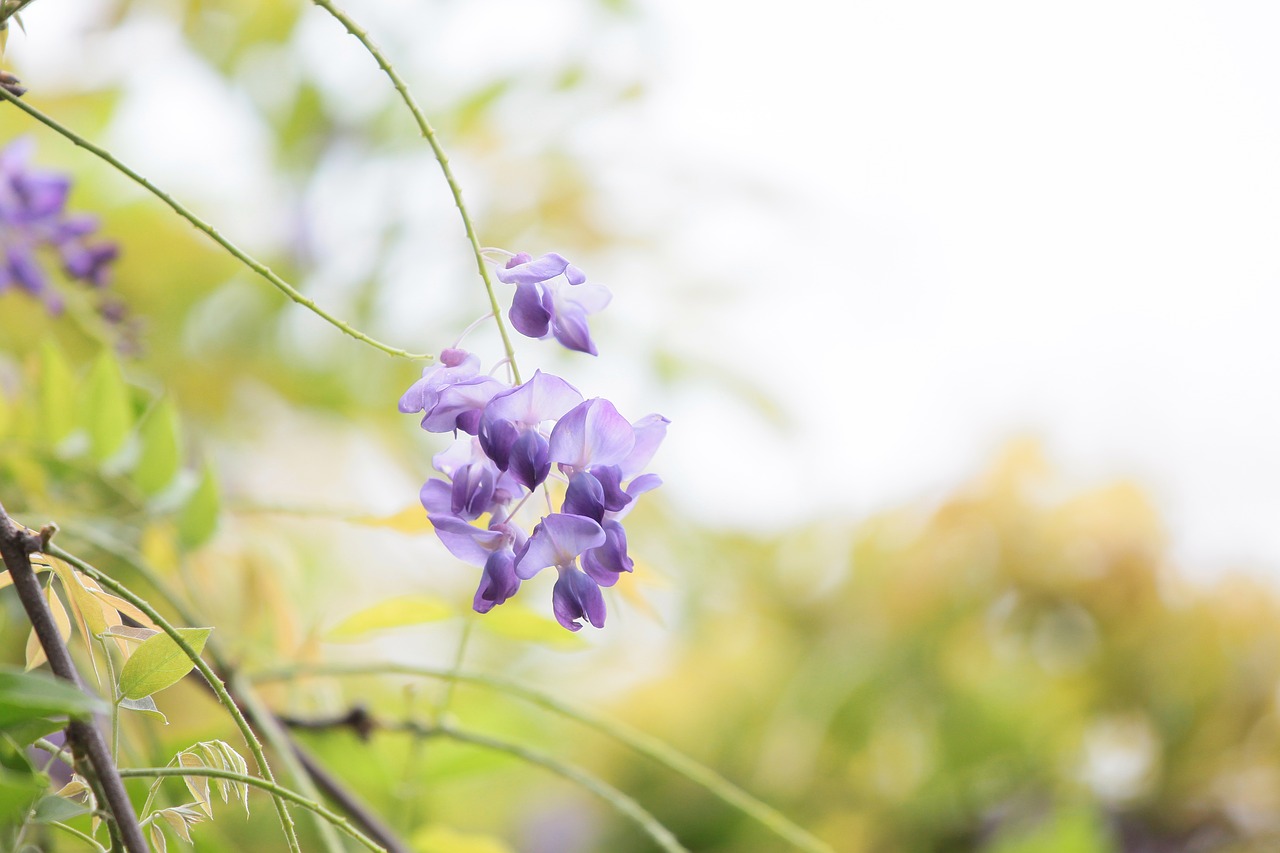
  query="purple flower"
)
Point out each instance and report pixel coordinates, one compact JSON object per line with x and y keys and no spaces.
{"x":492,"y":549}
{"x":552,"y":299}
{"x":509,"y":430}
{"x":33,"y":220}
{"x":557,"y":541}
{"x":475,"y":484}
{"x":451,"y":395}
{"x":576,"y":596}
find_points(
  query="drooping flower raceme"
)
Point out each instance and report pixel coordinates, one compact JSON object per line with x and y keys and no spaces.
{"x":538,"y":436}
{"x":34,"y":221}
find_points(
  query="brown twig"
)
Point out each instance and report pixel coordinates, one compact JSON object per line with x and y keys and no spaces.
{"x":17,"y":544}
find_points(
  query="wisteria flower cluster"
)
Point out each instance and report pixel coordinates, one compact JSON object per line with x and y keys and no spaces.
{"x":541,"y":435}
{"x":34,"y":220}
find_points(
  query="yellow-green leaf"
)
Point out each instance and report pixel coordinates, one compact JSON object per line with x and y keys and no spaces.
{"x":199,"y":516}
{"x":392,"y":613}
{"x":159,"y":663}
{"x":106,"y":407}
{"x":161,"y":453}
{"x":57,"y":394}
{"x":411,"y":519}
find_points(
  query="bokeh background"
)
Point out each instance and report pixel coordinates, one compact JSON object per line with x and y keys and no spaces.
{"x":964,"y":315}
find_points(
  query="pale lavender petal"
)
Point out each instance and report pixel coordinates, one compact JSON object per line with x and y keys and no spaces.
{"x":594,"y":433}
{"x":469,"y":544}
{"x":459,"y":406}
{"x":649,"y":433}
{"x":544,"y":397}
{"x":464,"y":451}
{"x":557,"y":541}
{"x":532,"y":272}
{"x":436,"y":497}
{"x":574,"y":275}
{"x":576,"y":596}
{"x":591,"y":298}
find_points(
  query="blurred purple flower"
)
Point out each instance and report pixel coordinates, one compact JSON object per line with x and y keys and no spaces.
{"x":33,"y":220}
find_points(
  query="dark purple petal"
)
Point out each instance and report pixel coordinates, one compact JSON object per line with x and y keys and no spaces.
{"x":576,"y":596}
{"x":529,"y":462}
{"x":472,"y":491}
{"x":530,"y":313}
{"x":605,"y":563}
{"x":497,"y":438}
{"x":557,"y":541}
{"x":498,"y":582}
{"x":584,"y":497}
{"x":615,"y":499}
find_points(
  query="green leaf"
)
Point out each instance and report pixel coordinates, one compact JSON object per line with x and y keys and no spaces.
{"x":31,"y":695}
{"x":159,"y":663}
{"x":51,"y":808}
{"x":145,"y":706}
{"x":161,"y":454}
{"x":199,"y":516}
{"x":520,"y":623}
{"x":392,"y":613}
{"x":26,"y":732}
{"x":57,"y":394}
{"x":106,"y":406}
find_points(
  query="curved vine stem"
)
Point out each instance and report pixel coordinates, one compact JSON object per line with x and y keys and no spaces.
{"x":620,"y":802}
{"x":429,"y":134}
{"x":215,"y":683}
{"x":244,"y":257}
{"x":277,"y":791}
{"x":647,"y":745}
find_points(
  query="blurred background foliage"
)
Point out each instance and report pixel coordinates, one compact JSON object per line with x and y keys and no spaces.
{"x":1015,"y":668}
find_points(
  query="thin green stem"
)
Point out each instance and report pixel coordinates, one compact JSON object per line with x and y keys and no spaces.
{"x":215,"y":683}
{"x":620,"y":802}
{"x":83,"y":836}
{"x":429,"y":134}
{"x":468,"y":622}
{"x":277,"y":791}
{"x":647,"y":745}
{"x":244,"y":257}
{"x":274,"y":735}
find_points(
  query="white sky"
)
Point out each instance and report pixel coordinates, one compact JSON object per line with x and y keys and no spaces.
{"x":1004,"y":218}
